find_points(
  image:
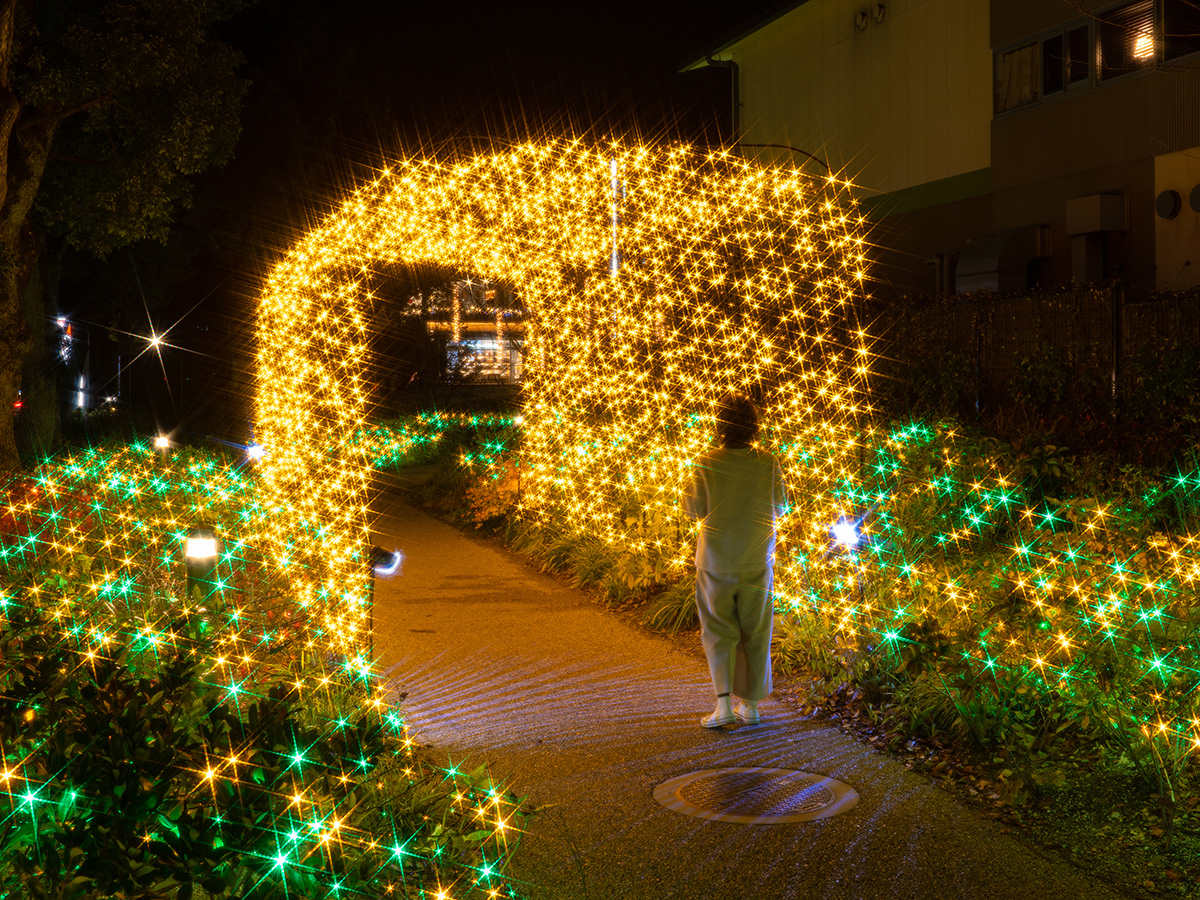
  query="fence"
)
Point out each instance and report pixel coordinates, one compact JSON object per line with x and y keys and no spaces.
{"x":1098,"y":338}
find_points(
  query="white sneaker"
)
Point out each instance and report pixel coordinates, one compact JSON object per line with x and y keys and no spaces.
{"x":721,"y":716}
{"x":747,"y":711}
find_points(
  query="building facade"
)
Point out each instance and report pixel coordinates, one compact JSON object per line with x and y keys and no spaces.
{"x":996,"y":145}
{"x":484,"y":333}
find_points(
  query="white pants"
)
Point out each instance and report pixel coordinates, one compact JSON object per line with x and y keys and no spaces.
{"x":736,"y":615}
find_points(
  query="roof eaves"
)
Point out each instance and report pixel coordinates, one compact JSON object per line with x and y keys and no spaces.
{"x":777,"y":13}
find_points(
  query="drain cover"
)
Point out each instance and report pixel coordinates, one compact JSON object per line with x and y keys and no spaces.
{"x":756,"y":796}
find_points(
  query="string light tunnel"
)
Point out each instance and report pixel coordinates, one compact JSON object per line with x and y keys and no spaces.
{"x":656,"y":280}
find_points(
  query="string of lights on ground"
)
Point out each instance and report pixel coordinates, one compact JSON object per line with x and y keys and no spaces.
{"x":1093,"y":599}
{"x":92,"y":548}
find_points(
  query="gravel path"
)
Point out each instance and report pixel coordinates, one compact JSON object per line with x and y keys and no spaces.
{"x":586,"y":714}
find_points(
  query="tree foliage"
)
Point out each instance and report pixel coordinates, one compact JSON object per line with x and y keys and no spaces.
{"x":112,"y":106}
{"x":161,"y":107}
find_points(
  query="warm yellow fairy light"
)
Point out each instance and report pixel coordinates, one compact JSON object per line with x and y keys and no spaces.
{"x":655,"y":279}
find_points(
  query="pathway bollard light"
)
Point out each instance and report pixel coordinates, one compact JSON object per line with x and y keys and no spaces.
{"x":845,"y":533}
{"x":200,"y":552}
{"x":384,"y":564}
{"x":846,"y":536}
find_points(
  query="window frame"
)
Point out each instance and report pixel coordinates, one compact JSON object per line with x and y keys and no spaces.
{"x":1162,"y":33}
{"x":1089,"y":59}
{"x":1095,"y":77}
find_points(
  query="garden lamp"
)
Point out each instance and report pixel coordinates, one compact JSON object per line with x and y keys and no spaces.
{"x":162,"y":446}
{"x":846,"y":534}
{"x":200,"y":551}
{"x":385,"y":562}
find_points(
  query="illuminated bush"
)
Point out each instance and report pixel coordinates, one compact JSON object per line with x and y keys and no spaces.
{"x":656,"y":280}
{"x":153,"y":739}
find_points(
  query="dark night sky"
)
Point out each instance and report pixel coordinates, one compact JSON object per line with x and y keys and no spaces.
{"x":338,"y":88}
{"x":509,"y":69}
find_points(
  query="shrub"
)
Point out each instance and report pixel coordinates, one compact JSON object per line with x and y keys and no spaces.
{"x":156,"y":745}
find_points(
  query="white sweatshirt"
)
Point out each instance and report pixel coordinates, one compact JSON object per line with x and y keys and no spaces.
{"x":736,"y":495}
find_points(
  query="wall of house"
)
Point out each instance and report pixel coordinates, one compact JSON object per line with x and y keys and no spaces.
{"x":904,"y":101}
{"x":1097,"y":138}
{"x":1015,"y":20}
{"x":1136,"y":117}
{"x":1102,"y":139}
{"x":1177,"y":240}
{"x":1126,"y":253}
{"x":905,"y":245}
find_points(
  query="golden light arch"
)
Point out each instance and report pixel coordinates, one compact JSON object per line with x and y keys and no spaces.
{"x":655,"y":279}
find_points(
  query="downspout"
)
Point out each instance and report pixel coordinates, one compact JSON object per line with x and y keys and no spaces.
{"x":737,"y":103}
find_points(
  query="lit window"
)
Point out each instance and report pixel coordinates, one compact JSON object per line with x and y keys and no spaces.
{"x":1126,"y":38}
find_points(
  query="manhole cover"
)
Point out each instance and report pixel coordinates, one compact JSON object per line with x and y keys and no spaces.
{"x":756,"y":796}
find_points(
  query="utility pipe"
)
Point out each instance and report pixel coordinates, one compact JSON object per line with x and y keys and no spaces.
{"x":737,"y":93}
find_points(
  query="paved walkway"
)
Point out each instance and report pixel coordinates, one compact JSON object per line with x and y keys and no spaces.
{"x":586,"y":714}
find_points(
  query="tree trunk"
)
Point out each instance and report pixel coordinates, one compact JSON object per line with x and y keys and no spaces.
{"x":37,"y":428}
{"x":25,"y":152}
{"x":24,"y":148}
{"x":14,"y":339}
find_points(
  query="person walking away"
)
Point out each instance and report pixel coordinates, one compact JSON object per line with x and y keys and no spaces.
{"x":737,"y":495}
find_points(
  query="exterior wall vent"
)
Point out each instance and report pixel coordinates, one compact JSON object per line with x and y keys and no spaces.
{"x":1168,"y":204}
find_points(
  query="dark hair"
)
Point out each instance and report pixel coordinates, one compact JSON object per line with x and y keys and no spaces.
{"x":737,"y":421}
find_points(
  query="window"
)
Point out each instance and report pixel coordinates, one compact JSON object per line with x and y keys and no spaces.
{"x":1078,"y":63}
{"x":1054,"y":64}
{"x":1127,"y":38}
{"x":1064,"y":60}
{"x":1133,"y":35}
{"x":1181,"y":28}
{"x":1016,"y":77}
